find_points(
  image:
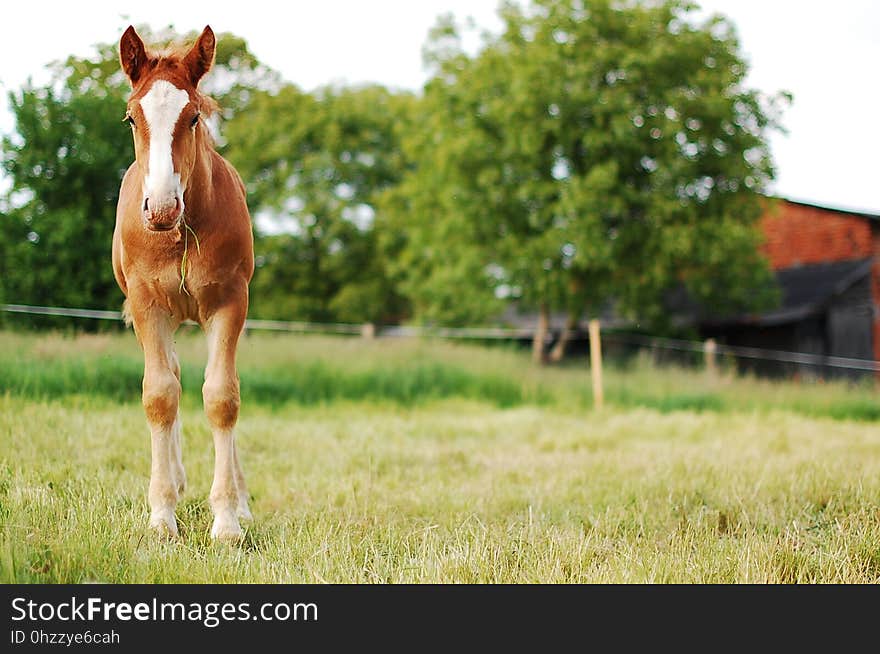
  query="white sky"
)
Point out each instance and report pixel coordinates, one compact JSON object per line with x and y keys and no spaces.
{"x":825,"y":53}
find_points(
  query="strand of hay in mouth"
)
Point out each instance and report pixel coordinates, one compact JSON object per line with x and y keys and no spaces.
{"x":187,"y":230}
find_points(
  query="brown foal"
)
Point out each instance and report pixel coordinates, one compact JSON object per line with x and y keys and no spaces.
{"x":183,"y":250}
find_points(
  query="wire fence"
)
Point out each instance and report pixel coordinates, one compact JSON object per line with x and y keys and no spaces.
{"x":741,"y":351}
{"x":498,"y":333}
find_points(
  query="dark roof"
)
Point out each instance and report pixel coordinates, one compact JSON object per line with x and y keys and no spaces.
{"x":861,"y":214}
{"x":806,"y":290}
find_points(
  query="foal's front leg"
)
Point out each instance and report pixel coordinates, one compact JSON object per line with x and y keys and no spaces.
{"x":222,"y":400}
{"x":161,"y":399}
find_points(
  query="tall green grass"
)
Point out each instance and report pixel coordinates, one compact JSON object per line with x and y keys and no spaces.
{"x":118,"y":378}
{"x":277,"y":370}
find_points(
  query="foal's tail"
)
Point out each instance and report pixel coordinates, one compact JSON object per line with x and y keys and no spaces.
{"x":126,"y":313}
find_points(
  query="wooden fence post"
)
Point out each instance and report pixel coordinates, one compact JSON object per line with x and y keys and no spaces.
{"x":540,"y":337}
{"x":596,"y":364}
{"x":368,"y":331}
{"x":710,"y":349}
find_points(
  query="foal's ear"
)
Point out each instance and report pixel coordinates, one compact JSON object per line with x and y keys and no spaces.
{"x":132,"y":55}
{"x":200,"y":58}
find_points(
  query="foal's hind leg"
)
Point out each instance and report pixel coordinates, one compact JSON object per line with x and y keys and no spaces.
{"x":161,"y":399}
{"x":178,"y":471}
{"x":221,"y":396}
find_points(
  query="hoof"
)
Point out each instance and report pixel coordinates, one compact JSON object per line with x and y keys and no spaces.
{"x":164,"y":524}
{"x":226,"y":528}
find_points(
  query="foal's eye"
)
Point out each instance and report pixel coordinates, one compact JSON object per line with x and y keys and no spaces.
{"x":194,"y":121}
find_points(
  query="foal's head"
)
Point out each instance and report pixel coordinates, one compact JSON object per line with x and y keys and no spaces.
{"x":164,"y":111}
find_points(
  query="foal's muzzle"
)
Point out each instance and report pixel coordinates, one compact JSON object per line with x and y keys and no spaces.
{"x":162,"y":215}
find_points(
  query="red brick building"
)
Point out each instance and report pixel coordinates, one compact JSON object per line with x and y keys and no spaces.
{"x":801,"y":234}
{"x":827,"y":263}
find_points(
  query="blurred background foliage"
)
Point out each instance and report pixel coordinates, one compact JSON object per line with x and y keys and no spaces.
{"x":591,"y":154}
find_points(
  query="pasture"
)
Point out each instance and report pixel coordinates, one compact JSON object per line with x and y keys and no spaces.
{"x":424,"y":461}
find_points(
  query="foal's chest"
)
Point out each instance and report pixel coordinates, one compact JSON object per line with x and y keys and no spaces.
{"x":174,"y":274}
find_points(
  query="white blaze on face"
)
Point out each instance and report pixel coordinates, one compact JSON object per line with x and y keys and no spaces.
{"x":162,"y":106}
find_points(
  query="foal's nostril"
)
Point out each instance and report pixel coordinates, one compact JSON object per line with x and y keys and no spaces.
{"x":146,"y":204}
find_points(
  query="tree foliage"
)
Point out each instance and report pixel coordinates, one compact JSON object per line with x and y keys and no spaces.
{"x":65,"y":162}
{"x":594,"y":151}
{"x":315,"y":163}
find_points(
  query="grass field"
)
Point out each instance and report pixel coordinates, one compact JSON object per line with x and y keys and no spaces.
{"x":419,"y":461}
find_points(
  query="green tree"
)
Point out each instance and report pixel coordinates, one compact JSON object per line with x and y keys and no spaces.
{"x":314,"y":164}
{"x":593,"y":152}
{"x":66,"y":158}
